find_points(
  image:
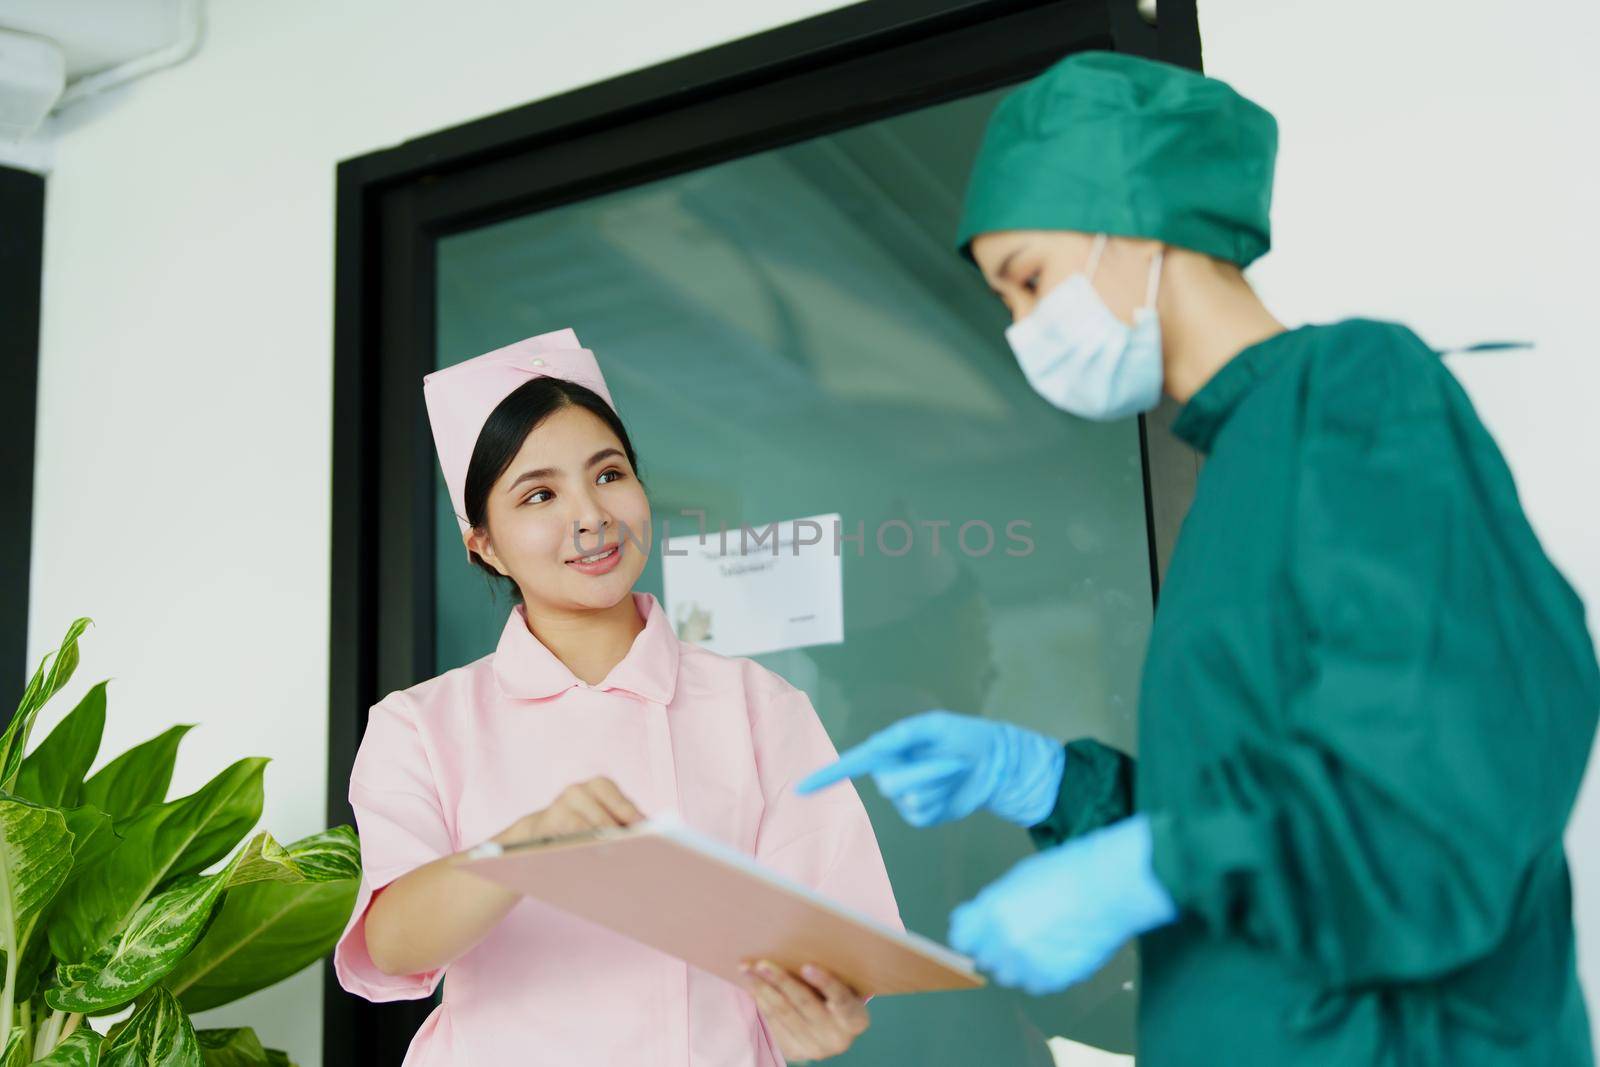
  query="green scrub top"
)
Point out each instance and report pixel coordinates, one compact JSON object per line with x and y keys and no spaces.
{"x":1367,"y":705}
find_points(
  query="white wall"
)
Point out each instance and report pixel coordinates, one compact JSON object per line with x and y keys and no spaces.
{"x":185,"y":381}
{"x":1437,"y":166}
{"x":1433,"y":170}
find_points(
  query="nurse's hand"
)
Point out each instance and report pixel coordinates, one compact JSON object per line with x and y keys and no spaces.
{"x":939,"y":766}
{"x":812,"y":1015}
{"x":593,"y":805}
{"x":1056,"y":918}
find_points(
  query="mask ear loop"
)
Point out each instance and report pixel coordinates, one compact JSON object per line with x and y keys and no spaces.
{"x":1094,"y":256}
{"x":1154,"y":283}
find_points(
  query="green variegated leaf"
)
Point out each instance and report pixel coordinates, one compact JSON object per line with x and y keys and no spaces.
{"x":163,"y":928}
{"x":161,"y":932}
{"x":264,"y":860}
{"x":52,"y":774}
{"x":329,"y":856}
{"x":80,"y":1049}
{"x":238,"y":1048}
{"x":17,"y":1052}
{"x":161,"y":843}
{"x":265,"y":932}
{"x":157,"y":1035}
{"x":115,"y":1031}
{"x":92,"y":838}
{"x":138,"y":778}
{"x":35,"y":857}
{"x":55,"y":670}
{"x":93,"y":835}
{"x":53,"y":673}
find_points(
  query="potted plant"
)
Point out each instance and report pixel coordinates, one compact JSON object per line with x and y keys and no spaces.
{"x":113,"y":896}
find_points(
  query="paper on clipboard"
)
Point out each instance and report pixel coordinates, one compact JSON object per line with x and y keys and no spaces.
{"x":742,"y":592}
{"x":714,"y":907}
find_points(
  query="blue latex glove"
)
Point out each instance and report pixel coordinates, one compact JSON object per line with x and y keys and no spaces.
{"x":1056,"y":918}
{"x":939,"y":766}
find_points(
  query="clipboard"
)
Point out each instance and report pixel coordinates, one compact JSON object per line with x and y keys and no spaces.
{"x":714,"y":907}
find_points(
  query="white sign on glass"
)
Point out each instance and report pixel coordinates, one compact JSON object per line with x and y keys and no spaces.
{"x":755,"y":589}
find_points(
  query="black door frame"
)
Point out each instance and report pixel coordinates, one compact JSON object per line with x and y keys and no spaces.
{"x":829,"y":72}
{"x":21,"y":264}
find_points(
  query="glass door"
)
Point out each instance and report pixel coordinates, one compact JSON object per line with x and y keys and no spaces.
{"x":789,"y":334}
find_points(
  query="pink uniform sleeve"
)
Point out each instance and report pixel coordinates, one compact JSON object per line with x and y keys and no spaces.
{"x":825,"y":841}
{"x":402,"y":827}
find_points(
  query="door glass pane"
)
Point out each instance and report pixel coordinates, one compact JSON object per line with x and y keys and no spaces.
{"x":789,"y":334}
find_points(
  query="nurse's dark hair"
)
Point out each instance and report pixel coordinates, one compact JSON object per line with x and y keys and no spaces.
{"x":509,"y":425}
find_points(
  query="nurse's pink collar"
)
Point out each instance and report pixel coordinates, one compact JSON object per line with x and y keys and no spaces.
{"x":527,"y":670}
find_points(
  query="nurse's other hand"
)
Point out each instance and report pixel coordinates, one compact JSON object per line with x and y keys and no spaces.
{"x":593,"y":805}
{"x":1056,"y":918}
{"x":812,"y":1015}
{"x":939,"y":766}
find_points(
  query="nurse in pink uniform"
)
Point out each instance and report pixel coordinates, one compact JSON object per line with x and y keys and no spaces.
{"x":590,"y":713}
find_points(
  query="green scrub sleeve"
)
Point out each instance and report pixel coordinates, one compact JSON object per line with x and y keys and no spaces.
{"x":1442,"y":703}
{"x":1096,"y":790}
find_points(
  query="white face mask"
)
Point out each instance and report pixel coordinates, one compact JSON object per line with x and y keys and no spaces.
{"x":1082,"y":358}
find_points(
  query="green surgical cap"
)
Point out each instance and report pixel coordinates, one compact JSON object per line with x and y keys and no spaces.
{"x":1108,"y":143}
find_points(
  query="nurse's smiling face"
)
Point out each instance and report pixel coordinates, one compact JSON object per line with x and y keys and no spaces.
{"x":568,"y":520}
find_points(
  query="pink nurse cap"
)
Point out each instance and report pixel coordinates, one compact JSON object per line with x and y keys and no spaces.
{"x":461,"y":398}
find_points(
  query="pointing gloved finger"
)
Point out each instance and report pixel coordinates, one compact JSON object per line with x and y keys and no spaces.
{"x":915,"y":776}
{"x":859,"y":760}
{"x":883,"y":749}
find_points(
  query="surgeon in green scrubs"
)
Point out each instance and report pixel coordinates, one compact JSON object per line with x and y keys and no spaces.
{"x":1369,"y":696}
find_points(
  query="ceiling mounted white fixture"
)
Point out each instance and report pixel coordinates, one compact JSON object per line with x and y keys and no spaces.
{"x":94,"y":45}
